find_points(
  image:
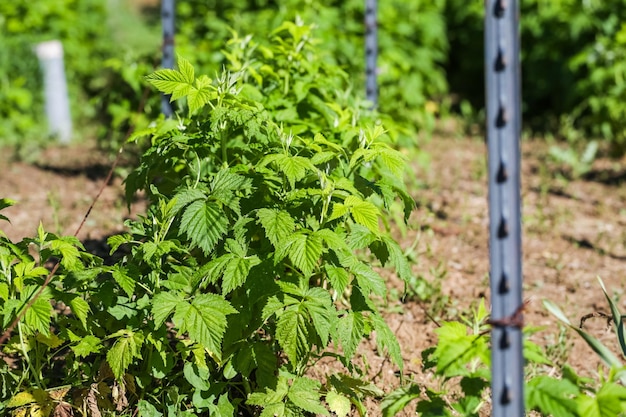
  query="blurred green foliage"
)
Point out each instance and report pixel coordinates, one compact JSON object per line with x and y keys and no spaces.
{"x":24,"y":23}
{"x":431,"y":54}
{"x":412,"y":44}
{"x":573,"y":65}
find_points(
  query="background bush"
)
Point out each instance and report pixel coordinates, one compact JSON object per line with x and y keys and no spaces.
{"x":572,"y":64}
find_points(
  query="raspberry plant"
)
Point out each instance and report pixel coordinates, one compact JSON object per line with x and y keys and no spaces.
{"x":267,"y":198}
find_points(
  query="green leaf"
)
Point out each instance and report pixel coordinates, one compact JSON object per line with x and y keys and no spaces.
{"x":368,"y":279}
{"x":177,"y":83}
{"x":278,"y":224}
{"x":294,"y":167}
{"x":396,"y":401}
{"x":70,"y":256}
{"x":185,"y":197}
{"x":334,"y":240}
{"x":305,"y":393}
{"x":338,"y":403}
{"x":236,"y":273}
{"x":338,"y":277}
{"x":259,"y":356}
{"x":398,"y":260}
{"x":38,"y":316}
{"x":320,"y":306}
{"x":609,"y":401}
{"x":363,"y":212}
{"x":124,"y":350}
{"x":551,"y":396}
{"x":87,"y":345}
{"x":145,"y":409}
{"x":204,"y":223}
{"x":456,"y":348}
{"x":127,"y":283}
{"x":80,"y":308}
{"x":116,"y":241}
{"x":386,"y":340}
{"x":305,"y":251}
{"x":197,"y":377}
{"x":204,"y":320}
{"x":4,"y":203}
{"x":360,"y":237}
{"x":163,"y":305}
{"x":292,"y":333}
{"x":350,"y":332}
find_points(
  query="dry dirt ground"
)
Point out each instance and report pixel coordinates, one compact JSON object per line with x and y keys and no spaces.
{"x":573,"y":231}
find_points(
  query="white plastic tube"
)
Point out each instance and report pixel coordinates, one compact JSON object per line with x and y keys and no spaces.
{"x":50,"y":55}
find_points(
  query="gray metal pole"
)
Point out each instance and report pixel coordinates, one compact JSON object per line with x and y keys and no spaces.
{"x":502,"y":72}
{"x":371,"y":51}
{"x":168,"y":20}
{"x":57,"y":101}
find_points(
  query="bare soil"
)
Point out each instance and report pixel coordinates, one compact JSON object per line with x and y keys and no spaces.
{"x":574,"y":231}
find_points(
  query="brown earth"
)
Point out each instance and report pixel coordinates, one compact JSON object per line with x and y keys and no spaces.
{"x":573,"y":232}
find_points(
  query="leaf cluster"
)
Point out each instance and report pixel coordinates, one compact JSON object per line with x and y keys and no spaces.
{"x":260,"y":253}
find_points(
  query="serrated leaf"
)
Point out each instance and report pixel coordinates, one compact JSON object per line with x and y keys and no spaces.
{"x":80,"y":308}
{"x":391,"y":159}
{"x":204,"y":320}
{"x":350,"y":332}
{"x":116,"y":241}
{"x":360,"y":237}
{"x":177,"y":83}
{"x":204,"y":223}
{"x":320,"y":306}
{"x":369,"y":280}
{"x":127,"y":283}
{"x":338,"y":277}
{"x":70,"y":256}
{"x":334,"y":240}
{"x":87,"y":345}
{"x":278,"y":224}
{"x":398,"y":259}
{"x":294,"y":167}
{"x":338,"y":403}
{"x":4,"y":203}
{"x":363,"y":212}
{"x":185,"y":197}
{"x":126,"y":348}
{"x":609,"y":401}
{"x":163,"y":305}
{"x":305,"y":393}
{"x":236,"y":273}
{"x":456,"y":348}
{"x":292,"y":333}
{"x":305,"y":251}
{"x":38,"y":316}
{"x":386,"y":340}
{"x":551,"y":396}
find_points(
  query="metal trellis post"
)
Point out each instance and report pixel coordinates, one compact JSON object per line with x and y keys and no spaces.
{"x":371,"y":51}
{"x":502,"y":72}
{"x":167,"y":21}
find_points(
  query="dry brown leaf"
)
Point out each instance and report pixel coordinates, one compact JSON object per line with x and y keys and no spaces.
{"x":63,"y":409}
{"x":91,"y":402}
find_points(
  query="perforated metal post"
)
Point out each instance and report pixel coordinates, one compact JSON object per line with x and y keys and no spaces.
{"x":167,"y":21}
{"x":371,"y":51}
{"x":502,"y":70}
